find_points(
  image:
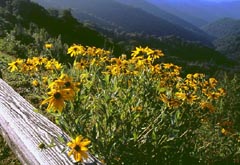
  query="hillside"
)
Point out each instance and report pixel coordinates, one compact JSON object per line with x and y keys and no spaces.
{"x":227,"y":33}
{"x":24,"y":13}
{"x":223,"y":27}
{"x":113,"y":15}
{"x":156,"y":11}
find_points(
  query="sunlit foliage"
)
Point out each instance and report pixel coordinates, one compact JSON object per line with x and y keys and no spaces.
{"x":134,"y":110}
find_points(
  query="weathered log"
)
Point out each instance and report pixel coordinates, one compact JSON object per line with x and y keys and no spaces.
{"x":26,"y":131}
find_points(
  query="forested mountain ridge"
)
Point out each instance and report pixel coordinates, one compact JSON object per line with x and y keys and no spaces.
{"x":154,"y":10}
{"x":23,"y":13}
{"x":227,"y":33}
{"x":223,"y":27}
{"x":114,"y":15}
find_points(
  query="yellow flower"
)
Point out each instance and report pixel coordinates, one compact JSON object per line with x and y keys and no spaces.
{"x":139,"y":51}
{"x":113,"y":69}
{"x":212,"y":82}
{"x":155,"y":69}
{"x":65,"y":82}
{"x":31,"y":65}
{"x":171,"y":102}
{"x":140,"y":64}
{"x":190,"y":98}
{"x":207,"y":105}
{"x":14,"y":66}
{"x":48,"y":46}
{"x":56,"y":99}
{"x":213,"y":95}
{"x":57,"y":65}
{"x":76,"y":50}
{"x":221,"y":91}
{"x":181,"y":95}
{"x":78,"y":148}
{"x":189,"y":76}
{"x":168,"y":65}
{"x":53,"y":64}
{"x":224,"y":131}
{"x":198,"y":75}
{"x":39,"y":60}
{"x":157,"y":54}
{"x":138,"y":108}
{"x":45,"y":80}
{"x":82,"y":64}
{"x":35,"y":83}
{"x":123,"y":57}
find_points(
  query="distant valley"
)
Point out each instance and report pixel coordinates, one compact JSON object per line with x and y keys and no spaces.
{"x":119,"y":16}
{"x":227,"y":33}
{"x":122,"y":25}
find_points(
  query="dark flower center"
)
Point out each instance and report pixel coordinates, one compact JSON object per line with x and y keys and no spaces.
{"x":57,"y":95}
{"x":67,"y":84}
{"x":77,"y":148}
{"x":75,"y":49}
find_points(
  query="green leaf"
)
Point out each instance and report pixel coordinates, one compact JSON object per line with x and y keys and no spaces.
{"x":161,"y":90}
{"x":135,"y":136}
{"x":107,"y":77}
{"x":36,"y":110}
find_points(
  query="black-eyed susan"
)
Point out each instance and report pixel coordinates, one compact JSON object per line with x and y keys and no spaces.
{"x":76,"y":50}
{"x":39,"y":60}
{"x":35,"y":83}
{"x":170,"y":102}
{"x":15,"y":66}
{"x":53,"y":65}
{"x":137,"y":108}
{"x":207,"y":106}
{"x":90,"y":51}
{"x":188,"y":97}
{"x":65,"y":82}
{"x":155,"y":69}
{"x":48,"y":46}
{"x":157,"y":54}
{"x":56,"y":100}
{"x":224,"y":131}
{"x":45,"y":80}
{"x":138,"y":51}
{"x":221,"y":91}
{"x":198,"y":75}
{"x":78,"y":148}
{"x":189,"y":76}
{"x":212,"y":82}
{"x":82,"y":64}
{"x":167,"y":65}
{"x":213,"y":95}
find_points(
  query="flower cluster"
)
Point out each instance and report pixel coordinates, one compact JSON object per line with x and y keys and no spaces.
{"x":86,"y":56}
{"x":79,"y":50}
{"x":193,"y":89}
{"x":34,"y":64}
{"x":141,"y":59}
{"x":61,"y":90}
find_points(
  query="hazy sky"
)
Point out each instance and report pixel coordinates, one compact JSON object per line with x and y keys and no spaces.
{"x":222,"y":0}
